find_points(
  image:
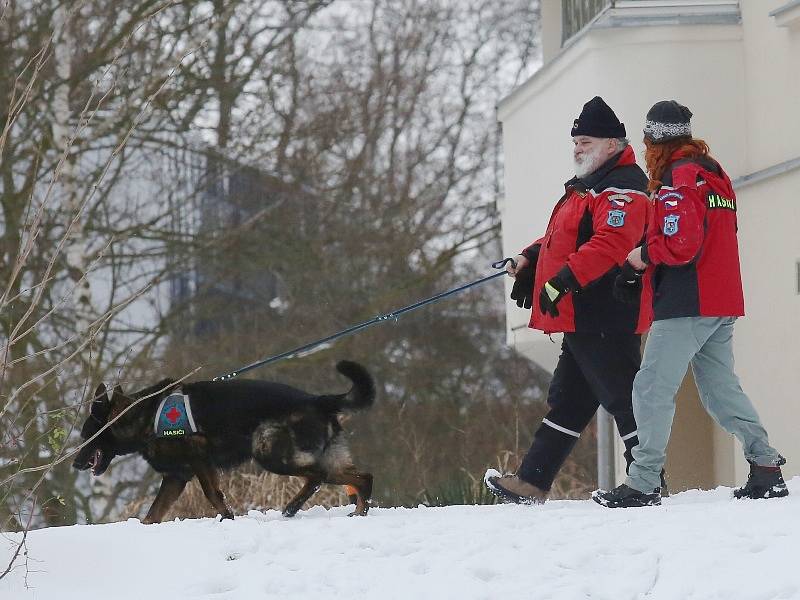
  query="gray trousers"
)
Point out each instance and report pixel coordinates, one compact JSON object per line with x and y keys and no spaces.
{"x":706,"y":343}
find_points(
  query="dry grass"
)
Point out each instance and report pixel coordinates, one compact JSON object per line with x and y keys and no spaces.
{"x":571,"y":483}
{"x":245,"y":490}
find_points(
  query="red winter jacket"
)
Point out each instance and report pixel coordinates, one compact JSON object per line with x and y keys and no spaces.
{"x":594,"y":226}
{"x":691,"y":243}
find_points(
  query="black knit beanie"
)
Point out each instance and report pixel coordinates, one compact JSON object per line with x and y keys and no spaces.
{"x":667,"y":120}
{"x":598,"y":120}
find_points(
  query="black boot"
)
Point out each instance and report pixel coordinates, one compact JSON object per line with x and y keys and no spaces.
{"x":763,"y":482}
{"x":628,"y":455}
{"x":623,"y":496}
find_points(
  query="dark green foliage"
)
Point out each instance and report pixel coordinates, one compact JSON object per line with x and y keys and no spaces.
{"x":463,"y":488}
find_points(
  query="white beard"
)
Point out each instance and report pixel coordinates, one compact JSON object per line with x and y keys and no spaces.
{"x":587,"y":163}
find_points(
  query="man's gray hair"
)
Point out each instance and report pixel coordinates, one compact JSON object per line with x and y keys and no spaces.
{"x":622,"y":143}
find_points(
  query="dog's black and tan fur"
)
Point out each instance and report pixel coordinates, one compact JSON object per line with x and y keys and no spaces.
{"x":285,"y":430}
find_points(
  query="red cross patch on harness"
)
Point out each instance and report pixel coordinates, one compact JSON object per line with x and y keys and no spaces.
{"x":174,"y":417}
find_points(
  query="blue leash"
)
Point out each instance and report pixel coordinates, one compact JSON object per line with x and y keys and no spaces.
{"x":500,"y":264}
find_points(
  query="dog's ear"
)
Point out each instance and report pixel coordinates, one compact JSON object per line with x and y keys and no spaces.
{"x":100,"y":403}
{"x":100,"y":394}
{"x":119,"y":402}
{"x":118,"y":398}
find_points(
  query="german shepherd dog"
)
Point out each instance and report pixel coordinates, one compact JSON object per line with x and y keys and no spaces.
{"x":285,"y":430}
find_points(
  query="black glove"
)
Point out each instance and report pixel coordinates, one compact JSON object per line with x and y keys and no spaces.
{"x":551,"y":294}
{"x":522,"y":291}
{"x":628,"y":284}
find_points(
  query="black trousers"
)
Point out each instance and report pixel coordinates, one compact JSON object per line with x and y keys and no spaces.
{"x":593,"y":369}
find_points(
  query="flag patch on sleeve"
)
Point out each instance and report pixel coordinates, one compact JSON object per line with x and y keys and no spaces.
{"x":620,"y":199}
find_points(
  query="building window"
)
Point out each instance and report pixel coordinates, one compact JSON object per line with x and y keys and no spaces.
{"x":577,"y":13}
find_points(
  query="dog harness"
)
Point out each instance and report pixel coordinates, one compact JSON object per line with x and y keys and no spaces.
{"x":174,"y":417}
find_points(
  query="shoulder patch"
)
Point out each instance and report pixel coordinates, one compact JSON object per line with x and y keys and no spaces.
{"x":671,"y":225}
{"x":616,"y":218}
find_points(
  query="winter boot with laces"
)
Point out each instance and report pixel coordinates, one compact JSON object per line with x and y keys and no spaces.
{"x":510,"y":488}
{"x":624,"y":496}
{"x":764,"y":482}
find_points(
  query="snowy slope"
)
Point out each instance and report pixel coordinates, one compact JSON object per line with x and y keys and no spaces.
{"x":697,"y":545}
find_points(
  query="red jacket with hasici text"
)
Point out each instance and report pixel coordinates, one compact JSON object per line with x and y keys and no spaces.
{"x":692,"y":246}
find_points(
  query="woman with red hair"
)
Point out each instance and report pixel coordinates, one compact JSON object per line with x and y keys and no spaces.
{"x":692,"y":256}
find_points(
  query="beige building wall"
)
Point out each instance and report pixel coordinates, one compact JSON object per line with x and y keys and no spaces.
{"x":772,"y":93}
{"x":737,"y":80}
{"x":767,"y":340}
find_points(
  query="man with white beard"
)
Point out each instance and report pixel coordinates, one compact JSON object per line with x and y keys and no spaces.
{"x":570,"y":271}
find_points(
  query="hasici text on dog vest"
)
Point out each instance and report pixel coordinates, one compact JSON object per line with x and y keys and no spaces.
{"x":174,"y":417}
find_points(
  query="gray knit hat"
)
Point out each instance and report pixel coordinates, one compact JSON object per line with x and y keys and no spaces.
{"x":667,"y":120}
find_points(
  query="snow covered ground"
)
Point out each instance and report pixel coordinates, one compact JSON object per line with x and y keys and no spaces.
{"x":697,"y":545}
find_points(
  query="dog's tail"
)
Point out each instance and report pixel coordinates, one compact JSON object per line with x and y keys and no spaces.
{"x":361,"y":395}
